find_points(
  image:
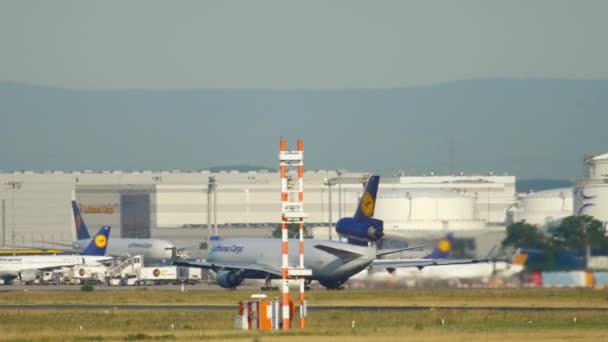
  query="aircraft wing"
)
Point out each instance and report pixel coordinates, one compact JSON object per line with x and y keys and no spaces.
{"x":238,"y":267}
{"x":184,"y":248}
{"x":421,"y":263}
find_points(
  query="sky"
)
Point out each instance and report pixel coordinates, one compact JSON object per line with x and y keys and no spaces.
{"x":100,"y":49}
{"x":298,"y":44}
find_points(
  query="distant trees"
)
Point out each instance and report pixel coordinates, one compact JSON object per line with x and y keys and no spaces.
{"x":579,"y":233}
{"x":524,"y":234}
{"x":463,"y":248}
{"x":293,"y":231}
{"x":575,"y":235}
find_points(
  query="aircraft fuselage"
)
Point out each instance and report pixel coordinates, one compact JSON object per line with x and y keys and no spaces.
{"x":327,"y":267}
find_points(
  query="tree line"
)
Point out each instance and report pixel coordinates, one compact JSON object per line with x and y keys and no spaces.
{"x":576,"y":236}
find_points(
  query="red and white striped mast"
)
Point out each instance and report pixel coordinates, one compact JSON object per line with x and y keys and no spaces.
{"x":284,"y":236}
{"x":301,"y":231}
{"x":292,"y":211}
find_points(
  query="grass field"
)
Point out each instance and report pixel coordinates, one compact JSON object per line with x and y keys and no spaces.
{"x":391,"y":297}
{"x":459,"y":325}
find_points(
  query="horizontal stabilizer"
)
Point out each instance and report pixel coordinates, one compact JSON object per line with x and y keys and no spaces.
{"x":421,"y":263}
{"x":391,"y":251}
{"x":345,"y":255}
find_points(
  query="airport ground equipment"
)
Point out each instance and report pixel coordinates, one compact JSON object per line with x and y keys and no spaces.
{"x":261,"y":314}
{"x":292,"y":212}
{"x":88,"y":274}
{"x":133,"y":272}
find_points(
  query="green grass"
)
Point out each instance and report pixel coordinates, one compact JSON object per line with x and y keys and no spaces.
{"x":148,"y":325}
{"x":334,"y":326}
{"x":435,"y":297}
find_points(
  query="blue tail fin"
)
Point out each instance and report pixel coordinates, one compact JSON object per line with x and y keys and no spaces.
{"x":443,"y":248}
{"x":368,"y":200}
{"x":98,"y":243}
{"x":363,"y":228}
{"x":82,"y":232}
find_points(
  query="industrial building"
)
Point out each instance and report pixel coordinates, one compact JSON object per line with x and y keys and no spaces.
{"x":178,"y":205}
{"x":591,"y":192}
{"x":589,"y":196}
{"x":173,"y":205}
{"x":542,"y":208}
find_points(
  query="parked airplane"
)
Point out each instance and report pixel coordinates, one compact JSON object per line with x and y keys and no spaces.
{"x":442,"y":250}
{"x":150,"y":249}
{"x":480,"y":271}
{"x":26,"y":267}
{"x":331,"y":262}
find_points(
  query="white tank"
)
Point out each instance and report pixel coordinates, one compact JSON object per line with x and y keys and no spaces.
{"x":591,"y":193}
{"x":591,"y":198}
{"x":596,"y":167}
{"x":545,"y":206}
{"x":424,"y":205}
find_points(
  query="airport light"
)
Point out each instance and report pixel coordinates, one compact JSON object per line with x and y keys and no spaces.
{"x":409,"y":197}
{"x":14,"y":185}
{"x":3,"y":222}
{"x":339,"y":180}
{"x":329,"y":182}
{"x":210,"y":203}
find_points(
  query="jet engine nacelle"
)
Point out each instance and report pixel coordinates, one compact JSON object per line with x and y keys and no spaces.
{"x":360,"y":230}
{"x":228,"y":279}
{"x":27,"y":275}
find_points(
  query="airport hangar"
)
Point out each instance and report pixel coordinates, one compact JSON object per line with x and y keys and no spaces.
{"x":173,"y":205}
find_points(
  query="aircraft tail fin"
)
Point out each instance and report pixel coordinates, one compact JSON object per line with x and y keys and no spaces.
{"x":98,"y":243}
{"x":82,"y":232}
{"x":443,"y":248}
{"x":519,"y":258}
{"x":368,"y":200}
{"x":363,"y":228}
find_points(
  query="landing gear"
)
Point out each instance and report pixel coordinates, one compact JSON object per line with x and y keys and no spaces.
{"x":332,"y":284}
{"x":268,"y":285}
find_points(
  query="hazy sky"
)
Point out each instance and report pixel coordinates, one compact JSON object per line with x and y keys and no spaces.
{"x":304,"y":44}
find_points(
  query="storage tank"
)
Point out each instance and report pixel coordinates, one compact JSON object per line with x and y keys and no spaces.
{"x":416,"y":205}
{"x":591,"y":193}
{"x":596,"y":167}
{"x":544,"y":206}
{"x":592,"y":199}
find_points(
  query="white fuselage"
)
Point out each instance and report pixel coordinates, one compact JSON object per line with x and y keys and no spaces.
{"x":10,"y":266}
{"x":150,"y":249}
{"x":265,"y":251}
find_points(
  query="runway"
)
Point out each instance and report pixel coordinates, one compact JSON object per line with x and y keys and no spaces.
{"x":162,"y":307}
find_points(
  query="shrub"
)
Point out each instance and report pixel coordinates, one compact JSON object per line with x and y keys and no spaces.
{"x":87,"y":288}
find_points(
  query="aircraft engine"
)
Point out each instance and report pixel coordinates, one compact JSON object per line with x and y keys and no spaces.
{"x":228,"y":279}
{"x":360,"y":230}
{"x":27,"y":275}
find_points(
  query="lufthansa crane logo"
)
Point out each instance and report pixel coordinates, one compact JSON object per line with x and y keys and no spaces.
{"x":101,"y":241}
{"x":444,"y":246}
{"x":156,"y":272}
{"x":367,"y":204}
{"x":78,"y":222}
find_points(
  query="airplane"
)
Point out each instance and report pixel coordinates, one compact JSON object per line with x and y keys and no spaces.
{"x":26,"y":267}
{"x":332,"y":262}
{"x":479,"y":271}
{"x":150,"y":249}
{"x":442,"y":250}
